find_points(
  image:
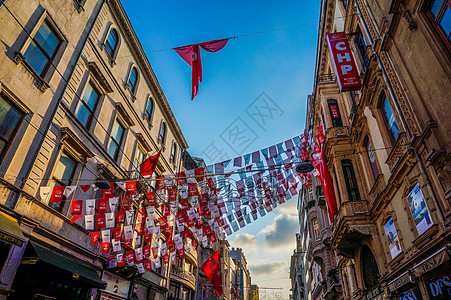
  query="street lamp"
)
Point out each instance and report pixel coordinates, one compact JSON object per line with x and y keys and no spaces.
{"x":304,"y":167}
{"x":103,"y":184}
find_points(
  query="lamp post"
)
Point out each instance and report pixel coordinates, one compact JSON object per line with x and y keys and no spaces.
{"x":304,"y":167}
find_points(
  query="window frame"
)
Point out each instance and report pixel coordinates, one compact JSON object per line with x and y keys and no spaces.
{"x":149,"y":114}
{"x":382,"y":99}
{"x":374,"y":166}
{"x":135,"y":169}
{"x":82,"y":101}
{"x":173,"y":154}
{"x":435,"y":20}
{"x":23,"y":113}
{"x":336,"y":122}
{"x":107,"y":43}
{"x":162,"y":139}
{"x":133,"y":87}
{"x":347,"y":180}
{"x":118,"y":143}
{"x":19,"y":58}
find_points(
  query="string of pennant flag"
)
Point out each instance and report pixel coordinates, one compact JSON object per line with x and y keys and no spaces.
{"x":195,"y":206}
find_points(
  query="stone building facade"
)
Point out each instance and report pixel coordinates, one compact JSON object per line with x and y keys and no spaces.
{"x":387,"y":148}
{"x":79,"y":103}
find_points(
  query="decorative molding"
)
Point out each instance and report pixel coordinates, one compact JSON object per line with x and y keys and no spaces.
{"x":142,"y":141}
{"x":40,"y":83}
{"x":71,"y":139}
{"x":99,"y":78}
{"x":124,"y":115}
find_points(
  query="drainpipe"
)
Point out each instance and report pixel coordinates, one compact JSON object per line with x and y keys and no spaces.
{"x":46,"y":130}
{"x":401,"y":115}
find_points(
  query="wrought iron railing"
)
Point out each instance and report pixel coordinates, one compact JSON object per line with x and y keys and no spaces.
{"x":324,"y":78}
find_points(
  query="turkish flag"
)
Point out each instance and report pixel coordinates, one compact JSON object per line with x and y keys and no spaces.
{"x":212,"y":268}
{"x":149,"y":165}
{"x":328,"y":188}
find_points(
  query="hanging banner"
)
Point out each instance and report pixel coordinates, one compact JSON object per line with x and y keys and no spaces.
{"x":345,"y":68}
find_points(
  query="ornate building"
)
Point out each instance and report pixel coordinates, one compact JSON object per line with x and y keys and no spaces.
{"x":387,"y":147}
{"x":79,"y":103}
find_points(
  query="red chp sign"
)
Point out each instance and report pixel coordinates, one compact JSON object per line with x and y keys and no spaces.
{"x":345,"y":68}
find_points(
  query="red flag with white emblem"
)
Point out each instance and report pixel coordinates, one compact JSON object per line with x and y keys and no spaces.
{"x":212,"y":268}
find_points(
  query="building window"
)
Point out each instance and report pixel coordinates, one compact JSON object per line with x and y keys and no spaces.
{"x":162,"y":134}
{"x":149,"y":109}
{"x":441,"y":16}
{"x":42,"y":49}
{"x":10,"y":119}
{"x":87,"y":106}
{"x":115,"y":140}
{"x":369,"y":268}
{"x":334,"y":113}
{"x":132,"y":79}
{"x":173,"y":153}
{"x":390,"y":118}
{"x":111,"y":42}
{"x":361,"y":45}
{"x":324,"y":120}
{"x":350,"y":180}
{"x":62,"y":176}
{"x":315,"y":229}
{"x":139,"y":158}
{"x":371,"y":156}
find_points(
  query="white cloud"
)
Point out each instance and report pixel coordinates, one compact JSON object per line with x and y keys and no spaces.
{"x":267,"y":268}
{"x":244,"y":240}
{"x":282,"y":232}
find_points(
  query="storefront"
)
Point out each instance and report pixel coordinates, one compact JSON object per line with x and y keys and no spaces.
{"x":12,"y":244}
{"x":435,"y":274}
{"x":45,"y":274}
{"x":405,"y":287}
{"x":117,"y":288}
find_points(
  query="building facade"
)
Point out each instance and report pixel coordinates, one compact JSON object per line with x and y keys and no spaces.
{"x":243,"y":277}
{"x":80,"y":103}
{"x":387,"y":147}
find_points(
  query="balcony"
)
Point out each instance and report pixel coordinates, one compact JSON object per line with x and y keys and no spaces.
{"x":337,"y":132}
{"x":326,"y":78}
{"x":332,"y":287}
{"x":351,"y":226}
{"x":183,"y":276}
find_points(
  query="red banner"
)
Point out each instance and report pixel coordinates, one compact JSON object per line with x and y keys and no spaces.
{"x":345,"y":68}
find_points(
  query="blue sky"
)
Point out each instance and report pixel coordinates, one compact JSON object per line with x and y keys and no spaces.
{"x":279,"y":64}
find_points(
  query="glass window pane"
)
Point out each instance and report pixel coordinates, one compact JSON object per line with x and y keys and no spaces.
{"x":392,"y":124}
{"x":47,"y":39}
{"x":117,"y":131}
{"x":35,"y":58}
{"x":446,"y":21}
{"x":113,"y":149}
{"x":91,"y":96}
{"x":111,"y":42}
{"x":64,"y":169}
{"x":435,"y":7}
{"x":9,"y":119}
{"x":132,"y":79}
{"x":83,"y":114}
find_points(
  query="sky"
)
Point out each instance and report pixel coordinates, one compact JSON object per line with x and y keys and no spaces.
{"x":258,"y":84}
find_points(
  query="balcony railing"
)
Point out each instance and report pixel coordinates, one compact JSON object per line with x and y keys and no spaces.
{"x":181,"y":273}
{"x":353,"y":208}
{"x":326,"y":78}
{"x":337,"y":132}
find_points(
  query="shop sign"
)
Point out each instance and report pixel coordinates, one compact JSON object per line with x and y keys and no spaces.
{"x":399,"y":282}
{"x":334,"y":111}
{"x":412,"y":294}
{"x":116,"y":285}
{"x":345,"y":68}
{"x":10,"y":239}
{"x":374,"y":293}
{"x":440,"y":286}
{"x":432,"y":262}
{"x":29,"y":261}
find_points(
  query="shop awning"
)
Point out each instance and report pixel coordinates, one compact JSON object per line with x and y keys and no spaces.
{"x":78,"y":271}
{"x":10,"y":231}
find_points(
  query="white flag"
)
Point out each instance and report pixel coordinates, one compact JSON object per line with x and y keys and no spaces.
{"x":90,"y":206}
{"x":109,"y":220}
{"x":106,"y":235}
{"x":68,"y":190}
{"x":44,"y":192}
{"x":116,"y":245}
{"x":113,"y":202}
{"x":89,"y":222}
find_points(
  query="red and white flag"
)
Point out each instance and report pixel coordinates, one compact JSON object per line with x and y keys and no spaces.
{"x":149,"y":165}
{"x":212,"y":268}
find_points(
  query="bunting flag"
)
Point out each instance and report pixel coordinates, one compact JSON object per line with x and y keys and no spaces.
{"x":191,"y":55}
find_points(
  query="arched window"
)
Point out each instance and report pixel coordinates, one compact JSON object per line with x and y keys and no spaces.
{"x":371,"y":156}
{"x":149,"y":109}
{"x":351,"y":182}
{"x":162,"y":134}
{"x":390,"y":118}
{"x":111,"y":42}
{"x":334,"y":113}
{"x":173,"y":152}
{"x":369,"y":268}
{"x":132,"y":79}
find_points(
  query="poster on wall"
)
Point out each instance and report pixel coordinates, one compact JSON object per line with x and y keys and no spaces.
{"x":116,"y":285}
{"x":420,"y":211}
{"x":392,"y":238}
